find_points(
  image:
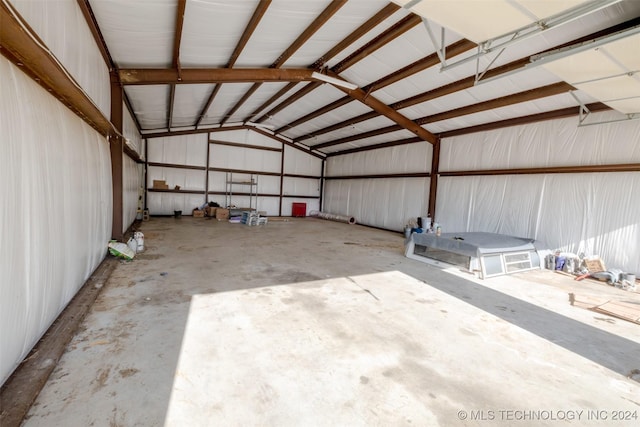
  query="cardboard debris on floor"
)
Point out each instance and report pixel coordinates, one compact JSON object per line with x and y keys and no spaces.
{"x":629,"y":311}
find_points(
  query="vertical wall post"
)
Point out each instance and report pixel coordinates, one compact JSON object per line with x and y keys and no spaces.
{"x":433,"y":188}
{"x":116,"y":144}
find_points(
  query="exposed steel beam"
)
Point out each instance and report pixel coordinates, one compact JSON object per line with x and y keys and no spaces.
{"x":92,"y":23}
{"x":516,"y":98}
{"x":623,"y":167}
{"x":258,"y":13}
{"x":317,"y":23}
{"x":422,"y":64}
{"x":454,"y":49}
{"x":177,"y":36}
{"x":549,"y":115}
{"x":241,"y":101}
{"x":433,"y":182}
{"x":20,"y":45}
{"x":528,"y":95}
{"x":172,"y":97}
{"x":270,"y":101}
{"x":372,"y":22}
{"x":363,"y":135}
{"x":380,"y":107}
{"x":290,"y":100}
{"x":371,"y":46}
{"x":261,"y":9}
{"x":207,"y":104}
{"x":339,"y":125}
{"x":320,"y":111}
{"x":311,"y":29}
{"x":90,"y":18}
{"x":405,"y":141}
{"x":156,"y":76}
{"x":381,"y":40}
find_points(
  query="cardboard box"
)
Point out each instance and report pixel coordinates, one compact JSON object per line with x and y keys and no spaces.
{"x":222,"y":213}
{"x":198,"y":213}
{"x":210,"y":211}
{"x":160,"y":184}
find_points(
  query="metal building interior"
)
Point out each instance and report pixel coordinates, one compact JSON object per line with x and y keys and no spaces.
{"x":510,"y":117}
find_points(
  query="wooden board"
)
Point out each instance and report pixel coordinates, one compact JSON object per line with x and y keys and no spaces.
{"x":629,"y":311}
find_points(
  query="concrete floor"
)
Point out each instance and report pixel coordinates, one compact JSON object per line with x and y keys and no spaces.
{"x":318,"y":323}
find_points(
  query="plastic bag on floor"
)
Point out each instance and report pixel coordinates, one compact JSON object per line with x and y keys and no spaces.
{"x":121,"y":250}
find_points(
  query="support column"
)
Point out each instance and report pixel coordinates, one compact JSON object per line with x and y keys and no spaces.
{"x":116,"y":144}
{"x":433,"y":189}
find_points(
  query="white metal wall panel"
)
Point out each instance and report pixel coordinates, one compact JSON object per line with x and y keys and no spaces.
{"x":300,"y":163}
{"x":130,"y":131}
{"x":224,"y":156}
{"x":189,"y":150}
{"x":388,"y":203}
{"x":131,"y":191}
{"x":549,"y":143}
{"x":287,"y":205}
{"x":593,"y":213}
{"x":187,"y":179}
{"x":62,"y":27}
{"x":301,"y":187}
{"x":55,"y":216}
{"x":400,"y":159}
{"x":167,"y":203}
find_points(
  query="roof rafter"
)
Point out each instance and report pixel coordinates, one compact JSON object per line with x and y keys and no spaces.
{"x":311,"y":29}
{"x":156,"y":76}
{"x":450,"y":88}
{"x":177,"y":39}
{"x":533,"y":118}
{"x":372,"y":22}
{"x":261,"y":9}
{"x":529,"y":95}
{"x":378,"y":42}
{"x":428,"y":61}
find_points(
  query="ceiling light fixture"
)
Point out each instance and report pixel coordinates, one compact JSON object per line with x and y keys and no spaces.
{"x":336,"y":82}
{"x":260,"y":125}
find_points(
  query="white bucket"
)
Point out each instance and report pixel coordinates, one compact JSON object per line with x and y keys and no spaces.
{"x":139,"y":239}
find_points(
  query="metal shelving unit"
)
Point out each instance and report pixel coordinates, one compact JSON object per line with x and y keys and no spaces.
{"x":234,"y":187}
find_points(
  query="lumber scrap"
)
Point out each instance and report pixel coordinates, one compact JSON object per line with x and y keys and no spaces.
{"x":629,"y":311}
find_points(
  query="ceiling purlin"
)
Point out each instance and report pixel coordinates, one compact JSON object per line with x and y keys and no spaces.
{"x":528,"y":95}
{"x":547,"y":115}
{"x":411,"y":140}
{"x":350,"y":138}
{"x":372,"y":22}
{"x":92,"y":23}
{"x":428,"y":61}
{"x":90,"y":18}
{"x":317,"y":23}
{"x":177,"y":38}
{"x":503,"y":101}
{"x":450,"y":88}
{"x":261,"y":9}
{"x":378,"y":42}
{"x":363,"y":29}
{"x":271,"y":100}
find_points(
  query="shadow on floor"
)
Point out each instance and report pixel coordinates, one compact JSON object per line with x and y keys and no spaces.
{"x":611,"y":351}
